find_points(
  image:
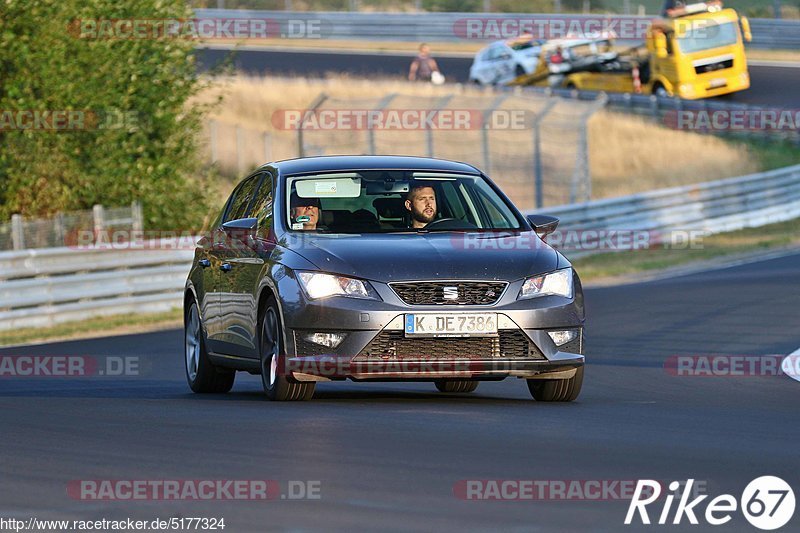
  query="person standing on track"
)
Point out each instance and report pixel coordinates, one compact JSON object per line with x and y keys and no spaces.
{"x":423,"y":66}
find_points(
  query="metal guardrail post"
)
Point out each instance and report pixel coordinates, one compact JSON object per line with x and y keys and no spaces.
{"x":537,"y":151}
{"x":318,"y":101}
{"x":58,"y":230}
{"x":371,"y":132}
{"x":487,"y":114}
{"x":137,"y":217}
{"x":440,"y":103}
{"x":98,"y":214}
{"x":17,"y":232}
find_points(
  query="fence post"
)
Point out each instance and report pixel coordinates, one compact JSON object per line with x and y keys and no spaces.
{"x":582,"y":176}
{"x":487,"y":114}
{"x":318,"y":101}
{"x":17,"y":232}
{"x":137,"y":217}
{"x":99,"y":216}
{"x":239,"y":154}
{"x":212,"y":126}
{"x":267,"y":147}
{"x":440,"y":103}
{"x":537,"y":151}
{"x":371,"y":132}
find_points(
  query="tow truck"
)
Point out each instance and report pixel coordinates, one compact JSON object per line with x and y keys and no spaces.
{"x":693,"y":51}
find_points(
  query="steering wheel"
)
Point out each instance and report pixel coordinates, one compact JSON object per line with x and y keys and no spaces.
{"x":450,"y":223}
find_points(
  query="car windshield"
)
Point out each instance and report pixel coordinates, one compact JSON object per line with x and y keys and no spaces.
{"x":395,"y":201}
{"x":708,"y":37}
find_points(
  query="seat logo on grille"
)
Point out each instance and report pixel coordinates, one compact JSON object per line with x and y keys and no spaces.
{"x":450,"y":293}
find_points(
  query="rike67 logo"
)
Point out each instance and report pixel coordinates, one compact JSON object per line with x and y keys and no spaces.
{"x":767,"y":503}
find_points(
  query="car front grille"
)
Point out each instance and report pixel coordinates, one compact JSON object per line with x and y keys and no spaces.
{"x":713,"y":67}
{"x":449,"y":293}
{"x":509,"y":344}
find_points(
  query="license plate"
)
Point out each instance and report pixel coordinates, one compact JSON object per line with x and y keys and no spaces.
{"x":451,"y":325}
{"x":719,"y":82}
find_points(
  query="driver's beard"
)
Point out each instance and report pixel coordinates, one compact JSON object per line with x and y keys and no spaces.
{"x":419,"y":216}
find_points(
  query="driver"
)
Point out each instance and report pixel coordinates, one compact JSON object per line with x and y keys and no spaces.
{"x":305,"y":211}
{"x":421,"y":202}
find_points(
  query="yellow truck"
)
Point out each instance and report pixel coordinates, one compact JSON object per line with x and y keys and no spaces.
{"x":695,"y":51}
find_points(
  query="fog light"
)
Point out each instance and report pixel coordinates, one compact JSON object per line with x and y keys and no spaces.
{"x":561,"y":338}
{"x":330,"y":340}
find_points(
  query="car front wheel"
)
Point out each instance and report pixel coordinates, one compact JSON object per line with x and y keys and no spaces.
{"x":277,"y":384}
{"x":202,"y":375}
{"x":557,"y":390}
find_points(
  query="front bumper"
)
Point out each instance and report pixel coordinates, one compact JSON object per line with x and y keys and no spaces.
{"x":375,"y":348}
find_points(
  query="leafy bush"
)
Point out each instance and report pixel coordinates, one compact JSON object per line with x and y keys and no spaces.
{"x":138,"y":139}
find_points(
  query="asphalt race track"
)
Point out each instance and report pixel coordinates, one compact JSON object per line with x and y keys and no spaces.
{"x":388,"y":455}
{"x":771,"y":85}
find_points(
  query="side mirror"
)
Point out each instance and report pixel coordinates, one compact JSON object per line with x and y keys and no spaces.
{"x":660,"y":41}
{"x":241,"y":229}
{"x":746,"y":32}
{"x":543,"y":225}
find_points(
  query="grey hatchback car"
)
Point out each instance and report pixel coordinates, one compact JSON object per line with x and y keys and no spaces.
{"x":380,"y":268}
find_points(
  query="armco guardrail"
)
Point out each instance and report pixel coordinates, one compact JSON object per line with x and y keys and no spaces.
{"x":446,"y":27}
{"x":44,"y":287}
{"x":712,"y":207}
{"x":50,"y":286}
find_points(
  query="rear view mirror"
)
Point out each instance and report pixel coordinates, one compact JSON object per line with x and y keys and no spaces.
{"x":543,"y":225}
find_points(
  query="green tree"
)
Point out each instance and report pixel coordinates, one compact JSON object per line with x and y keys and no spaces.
{"x":139,"y":137}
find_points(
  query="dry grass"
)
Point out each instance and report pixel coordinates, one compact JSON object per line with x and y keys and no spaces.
{"x":628,"y":154}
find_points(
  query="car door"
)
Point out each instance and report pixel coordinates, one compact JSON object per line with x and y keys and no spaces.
{"x":242,"y":267}
{"x":230,"y":331}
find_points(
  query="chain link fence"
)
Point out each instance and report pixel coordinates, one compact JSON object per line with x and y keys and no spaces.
{"x":535,"y":148}
{"x":69,"y":229}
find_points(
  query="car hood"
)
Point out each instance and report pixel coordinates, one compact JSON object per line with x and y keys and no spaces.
{"x":447,"y":255}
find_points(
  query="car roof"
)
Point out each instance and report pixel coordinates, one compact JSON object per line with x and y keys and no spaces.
{"x":368,"y":162}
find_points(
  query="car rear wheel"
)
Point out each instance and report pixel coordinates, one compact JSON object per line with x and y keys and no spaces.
{"x":202,"y":375}
{"x":519,"y":71}
{"x":557,"y":390}
{"x":455,"y":385}
{"x":277,"y":384}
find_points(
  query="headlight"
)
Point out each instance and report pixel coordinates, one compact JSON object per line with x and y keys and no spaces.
{"x":558,"y":283}
{"x":318,"y":285}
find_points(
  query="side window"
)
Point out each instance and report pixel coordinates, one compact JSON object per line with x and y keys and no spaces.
{"x":262,"y":207}
{"x":241,"y":198}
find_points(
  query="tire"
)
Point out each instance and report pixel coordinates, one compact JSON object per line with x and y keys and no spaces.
{"x":455,"y":385}
{"x":201,"y":374}
{"x":557,"y":390}
{"x":519,"y":71}
{"x":660,"y":91}
{"x":278,"y":386}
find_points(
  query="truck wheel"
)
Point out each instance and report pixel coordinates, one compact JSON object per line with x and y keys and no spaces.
{"x":455,"y":385}
{"x":277,"y":384}
{"x":201,"y":374}
{"x":660,"y":91}
{"x":557,"y":390}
